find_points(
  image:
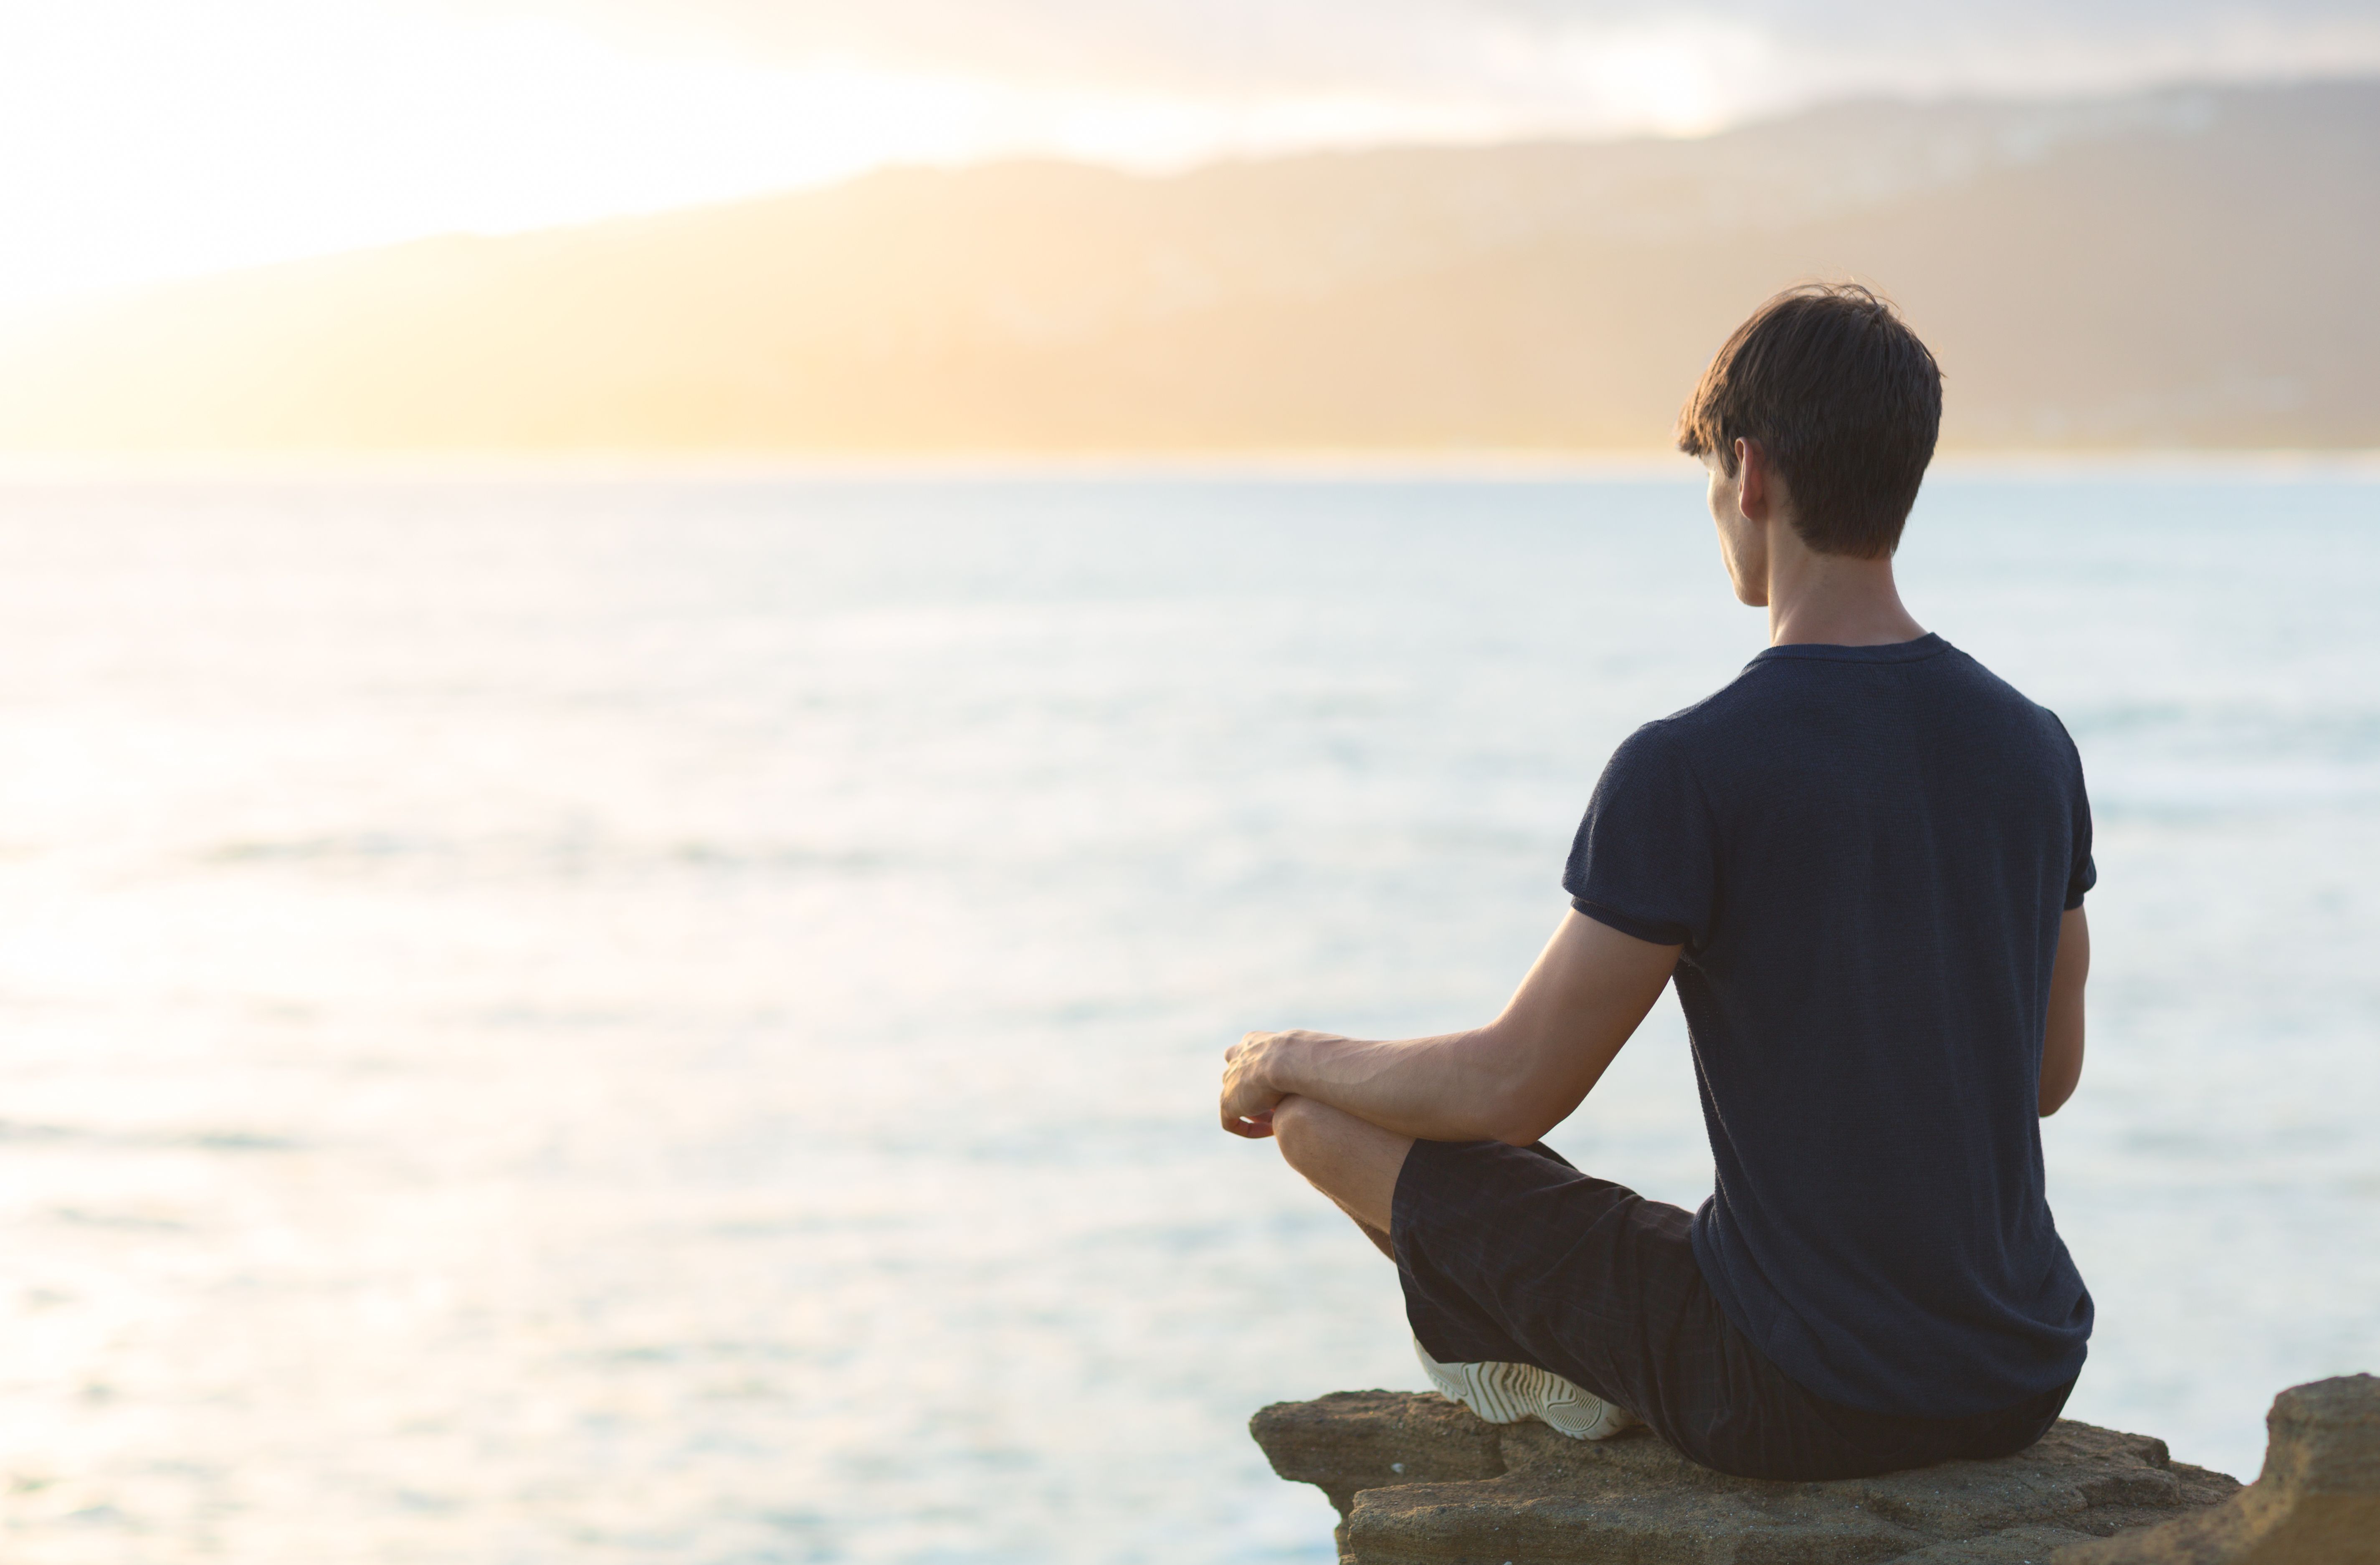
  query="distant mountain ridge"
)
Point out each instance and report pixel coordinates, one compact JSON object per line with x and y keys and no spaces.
{"x":2184,"y":268}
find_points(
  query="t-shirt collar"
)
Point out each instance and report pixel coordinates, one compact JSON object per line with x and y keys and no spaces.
{"x":1927,"y":646}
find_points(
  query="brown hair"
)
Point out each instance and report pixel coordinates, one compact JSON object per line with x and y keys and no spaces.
{"x":1842,"y":399}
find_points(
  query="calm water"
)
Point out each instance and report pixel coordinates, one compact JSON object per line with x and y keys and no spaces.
{"x":632,"y":1021}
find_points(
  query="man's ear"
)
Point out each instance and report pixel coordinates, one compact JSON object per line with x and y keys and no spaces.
{"x":1752,"y":480}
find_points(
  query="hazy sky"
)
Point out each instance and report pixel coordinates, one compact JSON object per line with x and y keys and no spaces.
{"x":149,"y":137}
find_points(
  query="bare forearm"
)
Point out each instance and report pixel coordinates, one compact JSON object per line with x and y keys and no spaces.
{"x":1457,"y":1087}
{"x":1512,"y":1080}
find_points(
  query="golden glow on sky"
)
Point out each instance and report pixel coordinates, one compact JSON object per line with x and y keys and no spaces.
{"x":147,"y":139}
{"x":142,"y":138}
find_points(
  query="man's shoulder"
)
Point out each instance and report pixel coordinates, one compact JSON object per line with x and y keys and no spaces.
{"x":1781,"y":706}
{"x":1754,"y":696}
{"x":1983,"y":692}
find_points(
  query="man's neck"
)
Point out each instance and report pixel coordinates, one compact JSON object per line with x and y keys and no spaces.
{"x":1835,"y":599}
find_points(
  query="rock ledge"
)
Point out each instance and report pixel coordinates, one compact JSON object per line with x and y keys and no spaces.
{"x":1420,"y":1480}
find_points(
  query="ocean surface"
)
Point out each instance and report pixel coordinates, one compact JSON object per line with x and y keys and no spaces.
{"x":675,"y":1020}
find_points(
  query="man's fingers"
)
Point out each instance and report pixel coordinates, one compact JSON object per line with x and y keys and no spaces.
{"x":1253,"y":1123}
{"x":1237,"y":1090}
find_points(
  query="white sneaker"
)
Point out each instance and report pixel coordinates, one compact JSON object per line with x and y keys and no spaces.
{"x":1506,"y":1393}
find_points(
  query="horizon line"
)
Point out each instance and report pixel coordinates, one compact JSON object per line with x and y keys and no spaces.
{"x":28,"y":468}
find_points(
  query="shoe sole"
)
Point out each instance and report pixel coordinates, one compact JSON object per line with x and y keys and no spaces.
{"x":1507,"y":1393}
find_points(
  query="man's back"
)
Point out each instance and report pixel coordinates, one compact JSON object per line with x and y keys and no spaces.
{"x":1865,"y":852}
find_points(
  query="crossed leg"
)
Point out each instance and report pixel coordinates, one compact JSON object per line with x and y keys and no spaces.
{"x":1352,"y":1161}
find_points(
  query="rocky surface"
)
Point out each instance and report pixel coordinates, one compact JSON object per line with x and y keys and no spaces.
{"x":2317,"y":1501}
{"x":1420,"y":1480}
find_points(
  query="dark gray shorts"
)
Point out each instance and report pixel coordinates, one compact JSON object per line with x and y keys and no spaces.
{"x":1509,"y":1254}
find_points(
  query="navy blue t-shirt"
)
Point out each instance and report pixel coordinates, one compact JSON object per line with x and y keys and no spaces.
{"x":1865,"y":852}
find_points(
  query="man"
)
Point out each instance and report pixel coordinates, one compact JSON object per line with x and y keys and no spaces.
{"x":1861,"y":863}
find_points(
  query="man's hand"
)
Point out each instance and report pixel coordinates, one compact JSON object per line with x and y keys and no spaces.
{"x":1248,"y":1092}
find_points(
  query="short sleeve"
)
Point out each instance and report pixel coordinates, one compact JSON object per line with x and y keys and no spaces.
{"x":2081,"y":873}
{"x":1645,"y":861}
{"x":2085,"y":873}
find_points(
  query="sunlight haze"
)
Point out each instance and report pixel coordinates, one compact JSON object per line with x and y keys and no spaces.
{"x":142,"y":139}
